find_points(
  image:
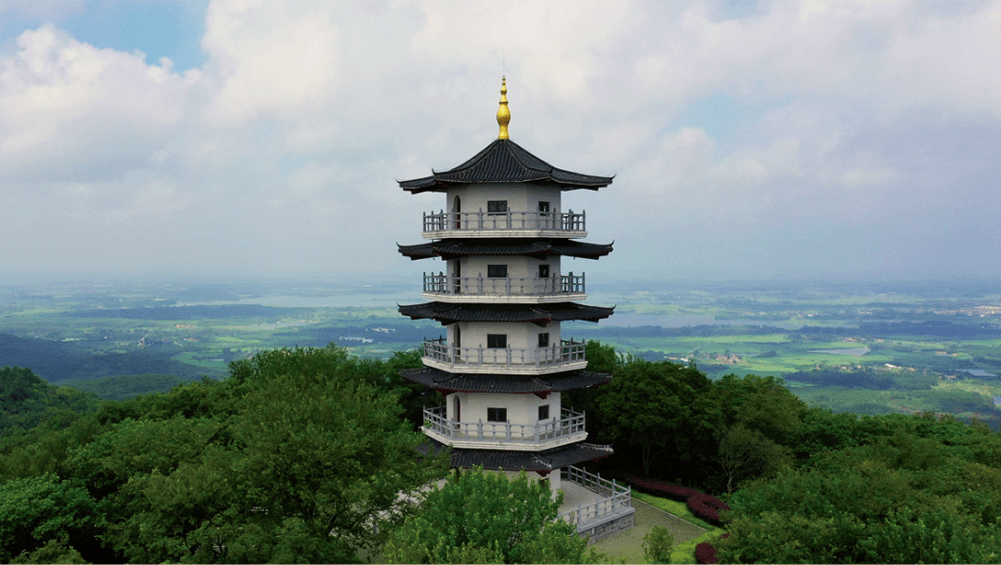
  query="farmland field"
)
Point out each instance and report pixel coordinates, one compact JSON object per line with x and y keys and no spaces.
{"x":865,"y":348}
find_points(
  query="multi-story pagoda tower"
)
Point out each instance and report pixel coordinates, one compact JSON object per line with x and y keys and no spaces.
{"x":502,"y":297}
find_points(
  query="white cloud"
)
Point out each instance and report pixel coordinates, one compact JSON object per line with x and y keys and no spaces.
{"x":77,"y":112}
{"x":281,"y":152}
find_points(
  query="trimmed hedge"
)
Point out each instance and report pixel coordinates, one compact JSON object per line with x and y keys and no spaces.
{"x":706,"y":507}
{"x":701,"y":504}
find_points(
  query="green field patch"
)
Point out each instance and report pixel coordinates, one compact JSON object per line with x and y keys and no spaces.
{"x":732,"y":339}
{"x":770,"y":367}
{"x":188,"y":358}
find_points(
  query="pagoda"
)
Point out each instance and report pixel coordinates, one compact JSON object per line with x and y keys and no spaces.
{"x":502,"y":297}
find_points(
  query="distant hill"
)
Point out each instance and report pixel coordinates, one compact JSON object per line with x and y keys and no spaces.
{"x":122,"y":387}
{"x":56,"y":361}
{"x":26,"y":400}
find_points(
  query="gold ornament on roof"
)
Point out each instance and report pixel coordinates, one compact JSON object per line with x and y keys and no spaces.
{"x":503,"y":113}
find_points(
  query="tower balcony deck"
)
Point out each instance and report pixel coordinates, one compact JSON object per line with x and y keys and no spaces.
{"x":567,"y":356}
{"x":439,"y":225}
{"x":569,"y":428}
{"x":504,"y":289}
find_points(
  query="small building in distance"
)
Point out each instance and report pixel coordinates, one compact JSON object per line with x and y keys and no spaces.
{"x":502,"y":296}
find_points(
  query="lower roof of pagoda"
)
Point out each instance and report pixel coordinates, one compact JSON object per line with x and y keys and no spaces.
{"x":498,"y":459}
{"x":529,"y":247}
{"x":542,"y":314}
{"x":447,"y":383}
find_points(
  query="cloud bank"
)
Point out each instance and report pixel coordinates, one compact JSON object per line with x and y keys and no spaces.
{"x":854,"y":140}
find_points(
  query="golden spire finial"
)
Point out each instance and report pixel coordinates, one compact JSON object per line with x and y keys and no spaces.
{"x":503,"y":113}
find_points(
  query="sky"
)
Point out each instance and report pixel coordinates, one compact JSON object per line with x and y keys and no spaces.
{"x":749,"y":140}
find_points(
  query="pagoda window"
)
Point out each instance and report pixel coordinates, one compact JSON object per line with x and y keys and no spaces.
{"x":496,"y":271}
{"x":543,"y":271}
{"x":543,"y":207}
{"x":544,"y":339}
{"x":496,"y":341}
{"x":496,"y":206}
{"x":544,"y":412}
{"x":497,"y":414}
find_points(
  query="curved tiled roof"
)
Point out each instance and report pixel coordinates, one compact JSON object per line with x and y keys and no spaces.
{"x":496,"y":459}
{"x":504,"y":161}
{"x":531,"y":247}
{"x":447,"y":383}
{"x":542,"y":314}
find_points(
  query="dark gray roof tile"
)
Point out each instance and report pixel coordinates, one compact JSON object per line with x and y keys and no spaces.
{"x":447,"y":383}
{"x":504,"y":161}
{"x":537,"y":248}
{"x":447,"y":312}
{"x":497,"y":459}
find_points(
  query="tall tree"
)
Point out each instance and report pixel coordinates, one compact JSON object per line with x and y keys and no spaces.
{"x":762,"y":404}
{"x":660,"y":409}
{"x":479,"y":517}
{"x":299,"y":456}
{"x":314,"y":457}
{"x":747,"y":454}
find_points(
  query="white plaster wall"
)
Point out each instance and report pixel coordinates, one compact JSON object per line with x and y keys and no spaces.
{"x":521,"y":197}
{"x":520,"y":335}
{"x":517,"y":266}
{"x":522,"y":409}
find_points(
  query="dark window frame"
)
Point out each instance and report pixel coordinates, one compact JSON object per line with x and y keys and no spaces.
{"x":544,"y":339}
{"x":496,"y":341}
{"x":497,"y":414}
{"x":544,"y":412}
{"x":496,"y":207}
{"x":544,"y":271}
{"x":497,"y":271}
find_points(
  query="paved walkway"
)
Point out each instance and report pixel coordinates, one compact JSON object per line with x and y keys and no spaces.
{"x":628,"y":545}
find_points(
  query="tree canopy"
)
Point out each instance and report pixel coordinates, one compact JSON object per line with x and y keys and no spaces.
{"x":308,"y":455}
{"x":480,"y":517}
{"x":660,"y":409}
{"x":298,"y":456}
{"x":884,"y":489}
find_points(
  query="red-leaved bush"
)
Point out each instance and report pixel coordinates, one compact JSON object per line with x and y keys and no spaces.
{"x":701,"y":504}
{"x":705,"y":553}
{"x":706,"y":507}
{"x":660,"y":488}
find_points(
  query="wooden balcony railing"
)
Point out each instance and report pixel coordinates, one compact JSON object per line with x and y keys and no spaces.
{"x":567,"y":352}
{"x":504,"y":221}
{"x":503,"y":286}
{"x":569,"y":423}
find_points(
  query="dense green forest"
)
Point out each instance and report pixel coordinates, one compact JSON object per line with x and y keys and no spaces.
{"x":302,"y":455}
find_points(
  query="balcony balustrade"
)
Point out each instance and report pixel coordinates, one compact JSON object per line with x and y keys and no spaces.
{"x":568,"y":355}
{"x":561,"y":287}
{"x":611,"y":500}
{"x":568,"y":428}
{"x":561,"y":223}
